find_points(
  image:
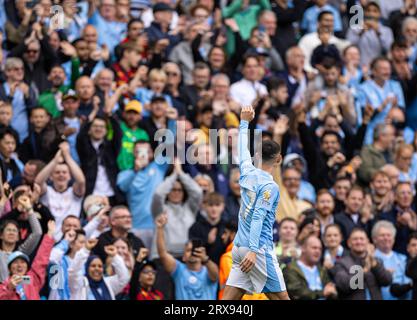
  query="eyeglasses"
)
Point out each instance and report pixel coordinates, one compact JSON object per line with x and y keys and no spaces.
{"x":177,"y":190}
{"x":149,"y":272}
{"x":32,"y":51}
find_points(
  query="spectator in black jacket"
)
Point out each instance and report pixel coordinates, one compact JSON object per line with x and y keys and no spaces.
{"x":411,"y":270}
{"x":21,"y":217}
{"x":11,"y":167}
{"x":352,"y":218}
{"x":38,"y":57}
{"x":397,"y":17}
{"x":43,"y":141}
{"x":325,"y":162}
{"x":98,"y":156}
{"x":120,"y":223}
{"x":402,"y":216}
{"x":287,"y":16}
{"x":210,"y":225}
{"x":199,"y":89}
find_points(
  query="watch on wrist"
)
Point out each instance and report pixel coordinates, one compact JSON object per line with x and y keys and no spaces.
{"x":206,"y":260}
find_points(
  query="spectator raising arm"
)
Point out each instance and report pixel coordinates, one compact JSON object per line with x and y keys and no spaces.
{"x":76,"y":172}
{"x":168,"y":261}
{"x":31,"y":242}
{"x":46,"y":172}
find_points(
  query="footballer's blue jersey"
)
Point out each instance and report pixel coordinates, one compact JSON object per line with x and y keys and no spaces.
{"x":259,"y":200}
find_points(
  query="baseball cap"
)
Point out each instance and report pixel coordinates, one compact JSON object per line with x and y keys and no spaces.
{"x":70,"y":94}
{"x":17,"y":255}
{"x":134,"y":105}
{"x":161,"y":7}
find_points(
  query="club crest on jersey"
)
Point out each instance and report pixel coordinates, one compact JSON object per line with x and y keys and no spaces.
{"x":267,"y":195}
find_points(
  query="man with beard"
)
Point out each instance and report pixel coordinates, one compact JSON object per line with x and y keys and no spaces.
{"x":325,"y":162}
{"x":381,"y":192}
{"x":324,"y":208}
{"x":51,"y":99}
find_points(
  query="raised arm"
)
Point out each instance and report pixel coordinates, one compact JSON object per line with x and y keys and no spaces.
{"x":33,"y":239}
{"x":76,"y":172}
{"x":194,"y":192}
{"x":76,"y":269}
{"x":40,"y":263}
{"x":161,"y":193}
{"x":121,"y":278}
{"x":168,"y":261}
{"x":245,"y":161}
{"x":46,"y":172}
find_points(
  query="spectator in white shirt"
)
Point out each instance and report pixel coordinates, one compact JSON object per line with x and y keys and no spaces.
{"x":311,"y":40}
{"x":249,"y":88}
{"x":61,"y":198}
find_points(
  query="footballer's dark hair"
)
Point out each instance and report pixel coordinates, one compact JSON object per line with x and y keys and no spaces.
{"x":270,"y":150}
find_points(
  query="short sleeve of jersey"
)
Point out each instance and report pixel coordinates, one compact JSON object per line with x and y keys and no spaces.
{"x":179,"y":268}
{"x":268,"y":196}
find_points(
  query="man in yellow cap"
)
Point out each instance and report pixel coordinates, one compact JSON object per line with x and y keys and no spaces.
{"x":132,"y":115}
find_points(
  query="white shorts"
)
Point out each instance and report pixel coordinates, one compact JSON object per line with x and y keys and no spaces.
{"x":265,"y":276}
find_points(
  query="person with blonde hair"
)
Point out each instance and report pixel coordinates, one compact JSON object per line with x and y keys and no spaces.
{"x":157,"y":80}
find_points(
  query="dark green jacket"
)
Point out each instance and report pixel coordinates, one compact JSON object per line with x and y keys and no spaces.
{"x":297,"y":286}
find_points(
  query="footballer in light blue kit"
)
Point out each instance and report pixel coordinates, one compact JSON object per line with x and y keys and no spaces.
{"x":255,"y":268}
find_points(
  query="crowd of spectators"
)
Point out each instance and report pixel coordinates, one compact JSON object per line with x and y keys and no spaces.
{"x":95,"y":94}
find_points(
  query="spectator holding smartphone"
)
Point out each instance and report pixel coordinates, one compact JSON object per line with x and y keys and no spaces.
{"x":10,"y":237}
{"x":13,"y":288}
{"x":195,"y":264}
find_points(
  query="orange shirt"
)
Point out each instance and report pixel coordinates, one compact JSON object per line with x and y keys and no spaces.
{"x":224,"y":269}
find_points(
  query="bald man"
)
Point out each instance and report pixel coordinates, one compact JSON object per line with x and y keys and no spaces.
{"x":86,"y":91}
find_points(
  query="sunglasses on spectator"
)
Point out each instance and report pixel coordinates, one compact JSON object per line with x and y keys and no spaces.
{"x":32,"y":51}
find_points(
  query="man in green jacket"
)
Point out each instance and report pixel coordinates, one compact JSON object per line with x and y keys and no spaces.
{"x":305,"y":277}
{"x":245,"y":13}
{"x":132,"y":115}
{"x":378,"y":154}
{"x":51,"y":99}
